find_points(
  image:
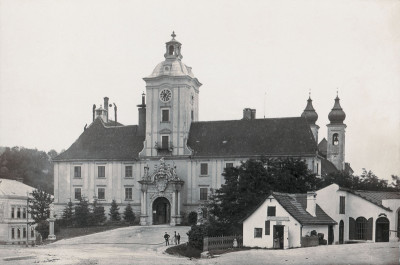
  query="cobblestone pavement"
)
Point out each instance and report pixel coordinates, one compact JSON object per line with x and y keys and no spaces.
{"x":145,"y":245}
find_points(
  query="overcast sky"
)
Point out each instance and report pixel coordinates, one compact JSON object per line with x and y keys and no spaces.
{"x":58,"y":58}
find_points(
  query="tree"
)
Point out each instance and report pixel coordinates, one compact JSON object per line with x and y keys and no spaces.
{"x":98,"y":215}
{"x":129,"y":215}
{"x":68,"y":214}
{"x":114,"y":211}
{"x":396,"y":182}
{"x":82,"y":212}
{"x":39,"y":205}
{"x":247,"y":185}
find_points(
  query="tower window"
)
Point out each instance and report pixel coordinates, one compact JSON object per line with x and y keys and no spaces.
{"x":171,"y":50}
{"x":165,"y":115}
{"x":192,"y":115}
{"x":335,"y":139}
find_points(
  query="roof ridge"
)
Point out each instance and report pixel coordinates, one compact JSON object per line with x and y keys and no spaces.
{"x":260,"y":119}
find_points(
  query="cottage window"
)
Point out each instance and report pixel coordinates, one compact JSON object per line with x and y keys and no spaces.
{"x":78,"y":193}
{"x":101,"y":171}
{"x":101,"y":193}
{"x":257,"y":232}
{"x":77,"y":172}
{"x":128,"y":171}
{"x":271,"y":211}
{"x":204,"y":169}
{"x":128,"y":193}
{"x":267,"y":228}
{"x":203,"y":194}
{"x":342,"y":205}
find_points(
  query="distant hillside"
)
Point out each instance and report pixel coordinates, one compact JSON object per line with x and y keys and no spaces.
{"x":34,"y":167}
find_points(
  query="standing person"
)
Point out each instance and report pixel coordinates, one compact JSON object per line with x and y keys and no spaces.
{"x":175,"y":239}
{"x":178,"y":237}
{"x":166,"y":237}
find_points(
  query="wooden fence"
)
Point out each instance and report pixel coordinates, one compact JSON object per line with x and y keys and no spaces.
{"x":222,"y":242}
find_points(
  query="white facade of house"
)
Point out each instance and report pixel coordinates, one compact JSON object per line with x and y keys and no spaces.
{"x":355,"y":206}
{"x":13,"y":213}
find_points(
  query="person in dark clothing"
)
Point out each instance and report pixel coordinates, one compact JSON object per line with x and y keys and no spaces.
{"x":178,"y":238}
{"x":166,"y":237}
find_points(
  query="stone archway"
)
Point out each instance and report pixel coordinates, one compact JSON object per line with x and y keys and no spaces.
{"x":161,"y":210}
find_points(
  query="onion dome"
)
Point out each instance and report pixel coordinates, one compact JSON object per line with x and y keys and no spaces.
{"x":337,"y":114}
{"x":309,"y":112}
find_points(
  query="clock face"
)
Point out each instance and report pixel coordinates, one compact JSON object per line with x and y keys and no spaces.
{"x":165,"y":95}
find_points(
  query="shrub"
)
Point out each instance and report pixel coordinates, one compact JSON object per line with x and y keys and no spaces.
{"x":114,"y":212}
{"x":192,"y":218}
{"x":97,"y":216}
{"x":82,"y":213}
{"x":68,"y":215}
{"x":43,"y":228}
{"x":196,"y":235}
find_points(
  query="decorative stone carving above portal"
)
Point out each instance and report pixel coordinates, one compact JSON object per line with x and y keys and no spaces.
{"x":162,"y":175}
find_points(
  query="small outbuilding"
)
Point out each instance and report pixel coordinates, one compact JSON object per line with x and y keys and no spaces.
{"x":282,"y":220}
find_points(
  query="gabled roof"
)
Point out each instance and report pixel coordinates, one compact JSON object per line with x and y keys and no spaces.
{"x":112,"y":123}
{"x":101,"y":142}
{"x":375,"y":197}
{"x":327,"y":167}
{"x":323,"y":147}
{"x":295,"y":205}
{"x":10,"y":187}
{"x":278,"y":136}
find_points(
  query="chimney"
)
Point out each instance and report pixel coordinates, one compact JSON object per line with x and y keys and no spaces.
{"x":106,"y":107}
{"x":94,"y":111}
{"x":115,"y":114}
{"x":142,"y":117}
{"x":311,"y":203}
{"x":249,"y":114}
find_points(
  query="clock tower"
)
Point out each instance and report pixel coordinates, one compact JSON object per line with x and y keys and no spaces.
{"x":172,"y":104}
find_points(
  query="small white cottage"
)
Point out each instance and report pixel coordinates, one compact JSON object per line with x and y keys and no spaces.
{"x":282,"y":219}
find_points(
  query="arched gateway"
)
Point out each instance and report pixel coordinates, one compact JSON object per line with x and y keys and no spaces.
{"x":161,"y":196}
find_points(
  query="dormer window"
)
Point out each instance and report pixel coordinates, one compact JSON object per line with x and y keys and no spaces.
{"x":335,"y":139}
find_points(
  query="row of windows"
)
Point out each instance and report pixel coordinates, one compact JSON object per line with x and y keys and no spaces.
{"x":101,"y":193}
{"x":101,"y":172}
{"x":16,"y":232}
{"x":18,"y":212}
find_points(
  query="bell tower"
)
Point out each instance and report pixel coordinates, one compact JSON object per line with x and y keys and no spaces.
{"x":172,"y":104}
{"x":336,"y":135}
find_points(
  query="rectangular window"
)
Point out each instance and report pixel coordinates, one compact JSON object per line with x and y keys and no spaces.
{"x":128,"y":193}
{"x":18,"y":233}
{"x":229,"y":165}
{"x":12,"y":233}
{"x":101,"y":193}
{"x":257,"y":232}
{"x":12,"y":212}
{"x":78,"y":193}
{"x":267,"y":228}
{"x":32,"y":232}
{"x":128,"y":171}
{"x":24,"y":213}
{"x":271,"y":211}
{"x":203,"y":194}
{"x":77,"y":172}
{"x":192,"y":115}
{"x":164,"y":142}
{"x":101,"y":171}
{"x":165,"y":115}
{"x":204,"y":169}
{"x":24,"y":233}
{"x":18,"y":212}
{"x":342,"y":205}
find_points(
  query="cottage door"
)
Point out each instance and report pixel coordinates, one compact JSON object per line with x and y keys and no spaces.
{"x":278,"y":236}
{"x":382,"y":230}
{"x":341,"y":232}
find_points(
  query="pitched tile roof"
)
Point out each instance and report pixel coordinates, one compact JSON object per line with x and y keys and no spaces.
{"x":375,"y":197}
{"x":278,"y":136}
{"x":10,"y":187}
{"x":296,"y":205}
{"x":323,"y":147}
{"x":101,"y":142}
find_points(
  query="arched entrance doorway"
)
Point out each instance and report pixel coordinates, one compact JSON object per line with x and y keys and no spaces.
{"x":161,"y":211}
{"x":382,"y":230}
{"x":341,"y":232}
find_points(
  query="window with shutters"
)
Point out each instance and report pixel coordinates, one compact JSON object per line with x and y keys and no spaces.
{"x":257,"y":232}
{"x":267,"y":228}
{"x":271,"y":211}
{"x":342,"y":205}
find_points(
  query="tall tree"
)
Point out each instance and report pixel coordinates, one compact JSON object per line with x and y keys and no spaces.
{"x":129,"y":215}
{"x":82,"y":212}
{"x":98,"y":215}
{"x":68,"y":214}
{"x":39,"y":205}
{"x":114,"y":211}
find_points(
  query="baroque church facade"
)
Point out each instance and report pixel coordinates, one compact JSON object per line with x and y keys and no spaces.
{"x":168,"y":164}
